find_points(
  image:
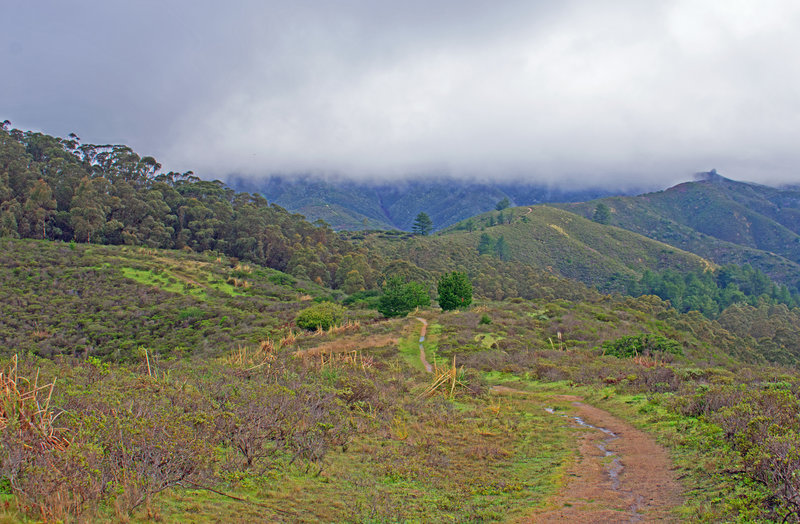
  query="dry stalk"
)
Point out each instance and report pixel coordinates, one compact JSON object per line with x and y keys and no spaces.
{"x":445,"y":378}
{"x":347,"y":327}
{"x":288,"y":340}
{"x":40,"y":333}
{"x":353,"y":359}
{"x":244,"y":356}
{"x":22,"y":402}
{"x":645,"y":361}
{"x":242,"y":267}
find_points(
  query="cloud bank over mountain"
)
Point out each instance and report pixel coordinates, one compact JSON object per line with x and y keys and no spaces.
{"x":574,"y":92}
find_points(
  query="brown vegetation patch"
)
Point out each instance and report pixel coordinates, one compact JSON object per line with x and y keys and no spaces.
{"x":347,"y":344}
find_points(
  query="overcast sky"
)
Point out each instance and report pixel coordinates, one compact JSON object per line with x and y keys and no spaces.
{"x":580,"y":92}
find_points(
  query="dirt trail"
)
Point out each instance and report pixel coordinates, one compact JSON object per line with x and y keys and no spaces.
{"x":619,"y":475}
{"x":422,"y":332}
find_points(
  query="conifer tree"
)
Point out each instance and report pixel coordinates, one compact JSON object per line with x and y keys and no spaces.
{"x":455,"y":291}
{"x":422,"y":224}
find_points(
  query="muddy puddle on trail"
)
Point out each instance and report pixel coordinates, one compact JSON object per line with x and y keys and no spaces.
{"x":612,"y":462}
{"x":619,"y":473}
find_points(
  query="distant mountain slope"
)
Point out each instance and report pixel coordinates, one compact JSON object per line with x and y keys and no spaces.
{"x":348,"y":205}
{"x":543,"y":238}
{"x":719,"y":219}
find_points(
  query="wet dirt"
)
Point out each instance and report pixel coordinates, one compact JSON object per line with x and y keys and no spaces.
{"x":422,"y":333}
{"x":620,"y":474}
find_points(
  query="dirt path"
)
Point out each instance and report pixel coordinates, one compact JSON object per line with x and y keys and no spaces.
{"x":422,"y":332}
{"x":619,"y":475}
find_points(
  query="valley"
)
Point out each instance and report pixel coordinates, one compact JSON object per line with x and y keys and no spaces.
{"x":171,"y":349}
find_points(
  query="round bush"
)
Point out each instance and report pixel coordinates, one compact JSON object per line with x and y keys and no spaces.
{"x":320,"y":316}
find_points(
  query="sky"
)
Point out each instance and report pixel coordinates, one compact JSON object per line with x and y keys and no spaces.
{"x":576,"y":93}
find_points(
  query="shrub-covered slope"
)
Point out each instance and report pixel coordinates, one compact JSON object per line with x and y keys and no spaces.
{"x":187,"y":388}
{"x":106,"y":301}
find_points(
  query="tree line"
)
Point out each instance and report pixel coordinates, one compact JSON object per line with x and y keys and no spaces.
{"x":712,"y":292}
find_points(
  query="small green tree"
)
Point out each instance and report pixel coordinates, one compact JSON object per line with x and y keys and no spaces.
{"x":602,"y":214}
{"x":455,"y":291}
{"x":399,"y":299}
{"x":503,"y":204}
{"x":320,"y":316}
{"x":485,"y":244}
{"x":422,"y":224}
{"x":353,"y":282}
{"x":501,"y":249}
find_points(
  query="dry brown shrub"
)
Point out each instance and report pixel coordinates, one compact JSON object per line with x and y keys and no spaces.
{"x":35,"y":454}
{"x":351,"y":326}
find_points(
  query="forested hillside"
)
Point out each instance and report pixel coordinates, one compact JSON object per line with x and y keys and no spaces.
{"x":353,"y":205}
{"x":60,"y":189}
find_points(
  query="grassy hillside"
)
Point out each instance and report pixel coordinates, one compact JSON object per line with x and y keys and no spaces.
{"x":719,"y":219}
{"x":541,"y":238}
{"x":143,"y":384}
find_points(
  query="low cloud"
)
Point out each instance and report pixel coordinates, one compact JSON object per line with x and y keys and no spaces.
{"x":586,"y":93}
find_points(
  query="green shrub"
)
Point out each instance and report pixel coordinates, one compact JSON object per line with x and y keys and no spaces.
{"x":455,"y":291}
{"x":399,"y":299}
{"x":282,"y":279}
{"x":485,"y":319}
{"x":642,"y":344}
{"x":367,"y":299}
{"x":190,"y":313}
{"x":320,"y":316}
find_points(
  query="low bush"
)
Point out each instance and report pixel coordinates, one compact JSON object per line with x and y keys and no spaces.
{"x":642,"y":344}
{"x":320,"y":316}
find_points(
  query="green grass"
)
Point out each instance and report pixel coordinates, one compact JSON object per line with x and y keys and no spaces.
{"x":409,"y":349}
{"x":486,"y":340}
{"x":168,"y":279}
{"x":161,"y":281}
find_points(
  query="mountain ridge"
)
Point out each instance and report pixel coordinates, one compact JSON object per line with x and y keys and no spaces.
{"x":723,"y":220}
{"x":351,"y":205}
